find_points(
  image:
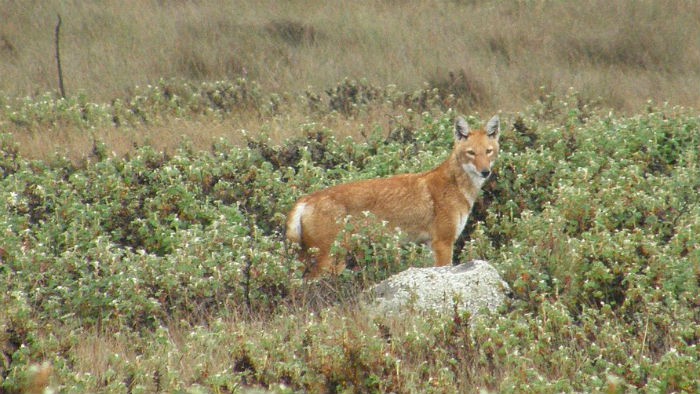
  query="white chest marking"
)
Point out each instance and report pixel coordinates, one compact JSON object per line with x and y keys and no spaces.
{"x":461,"y":223}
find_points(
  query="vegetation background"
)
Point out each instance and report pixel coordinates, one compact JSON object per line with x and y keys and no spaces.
{"x":140,"y":229}
{"x":495,"y":56}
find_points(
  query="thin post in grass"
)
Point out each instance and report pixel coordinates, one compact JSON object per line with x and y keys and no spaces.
{"x":58,"y":58}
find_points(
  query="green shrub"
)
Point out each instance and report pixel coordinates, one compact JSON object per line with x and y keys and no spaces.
{"x":180,"y":259}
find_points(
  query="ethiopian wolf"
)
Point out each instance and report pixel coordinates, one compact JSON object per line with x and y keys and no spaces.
{"x":430,"y":207}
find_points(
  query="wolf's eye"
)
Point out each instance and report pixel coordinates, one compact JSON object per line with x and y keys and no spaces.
{"x":489,"y":151}
{"x":471,"y":152}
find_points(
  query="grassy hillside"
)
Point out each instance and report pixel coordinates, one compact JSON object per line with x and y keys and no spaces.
{"x":167,"y":271}
{"x":491,"y":56}
{"x":499,"y":54}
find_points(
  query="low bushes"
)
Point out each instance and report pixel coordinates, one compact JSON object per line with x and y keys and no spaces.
{"x":180,"y":258}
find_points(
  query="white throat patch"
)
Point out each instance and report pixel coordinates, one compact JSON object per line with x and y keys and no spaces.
{"x":474,"y":175}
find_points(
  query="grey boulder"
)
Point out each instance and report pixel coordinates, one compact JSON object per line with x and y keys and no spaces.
{"x":472,"y":287}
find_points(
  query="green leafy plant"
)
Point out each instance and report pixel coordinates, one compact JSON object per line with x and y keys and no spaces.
{"x":166,"y":272}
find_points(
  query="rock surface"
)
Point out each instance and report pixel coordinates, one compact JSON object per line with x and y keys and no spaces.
{"x":471,"y":286}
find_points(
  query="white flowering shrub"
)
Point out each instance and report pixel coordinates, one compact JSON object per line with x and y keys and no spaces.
{"x":158,"y":272}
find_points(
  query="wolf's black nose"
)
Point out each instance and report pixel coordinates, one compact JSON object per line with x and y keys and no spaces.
{"x":485,"y":173}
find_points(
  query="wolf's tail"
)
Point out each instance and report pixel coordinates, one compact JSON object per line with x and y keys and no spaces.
{"x":294,"y":229}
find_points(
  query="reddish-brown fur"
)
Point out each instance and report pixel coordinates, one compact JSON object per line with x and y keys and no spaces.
{"x":430,"y":207}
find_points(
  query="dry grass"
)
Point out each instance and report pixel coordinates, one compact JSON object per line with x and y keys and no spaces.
{"x":77,"y":145}
{"x":498,"y":53}
{"x":496,"y":56}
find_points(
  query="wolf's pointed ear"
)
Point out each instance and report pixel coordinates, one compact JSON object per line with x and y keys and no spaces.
{"x":461,"y":129}
{"x":493,"y":127}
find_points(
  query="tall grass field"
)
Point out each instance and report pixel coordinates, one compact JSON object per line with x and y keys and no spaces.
{"x":141,"y":216}
{"x":496,"y":54}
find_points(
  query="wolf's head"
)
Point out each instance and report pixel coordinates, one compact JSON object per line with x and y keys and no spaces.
{"x":476,"y":150}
